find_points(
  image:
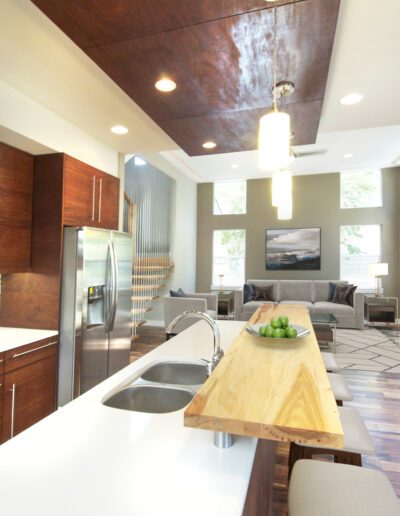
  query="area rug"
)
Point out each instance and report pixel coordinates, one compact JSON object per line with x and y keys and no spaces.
{"x":368,"y":350}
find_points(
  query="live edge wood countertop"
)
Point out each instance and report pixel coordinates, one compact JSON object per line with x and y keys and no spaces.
{"x":269,"y":389}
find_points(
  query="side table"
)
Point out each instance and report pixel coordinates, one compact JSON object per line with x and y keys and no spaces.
{"x":380,"y":309}
{"x":225,"y":303}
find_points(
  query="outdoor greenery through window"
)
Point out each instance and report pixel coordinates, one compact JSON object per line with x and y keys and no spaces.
{"x":228,"y":257}
{"x":361,"y":189}
{"x":230,"y":198}
{"x":359,"y":246}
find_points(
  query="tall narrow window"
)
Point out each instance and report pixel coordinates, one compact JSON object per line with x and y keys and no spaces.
{"x":230,"y":198}
{"x":228,"y":257}
{"x":359,"y":246}
{"x":361,"y":189}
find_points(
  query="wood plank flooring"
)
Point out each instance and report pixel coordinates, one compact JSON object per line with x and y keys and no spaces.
{"x":376,"y":397}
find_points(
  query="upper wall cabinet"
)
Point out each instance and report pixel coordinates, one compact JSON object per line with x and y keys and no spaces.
{"x":91,"y":197}
{"x":16,"y":178}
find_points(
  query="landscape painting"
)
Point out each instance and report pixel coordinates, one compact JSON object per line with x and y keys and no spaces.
{"x":293,"y":249}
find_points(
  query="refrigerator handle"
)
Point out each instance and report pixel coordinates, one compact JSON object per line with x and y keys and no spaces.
{"x":114,"y":275}
{"x":109,"y":287}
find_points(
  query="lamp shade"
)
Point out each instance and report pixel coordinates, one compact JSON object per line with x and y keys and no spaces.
{"x":285,"y":208}
{"x":378,"y":269}
{"x":281,"y":186}
{"x":274,"y":141}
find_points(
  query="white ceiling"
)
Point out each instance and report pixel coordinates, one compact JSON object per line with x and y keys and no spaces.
{"x":39,"y":60}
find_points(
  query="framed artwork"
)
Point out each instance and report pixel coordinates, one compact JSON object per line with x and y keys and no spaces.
{"x":293,"y":249}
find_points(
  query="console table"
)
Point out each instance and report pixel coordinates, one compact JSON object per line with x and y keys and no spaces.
{"x":225,"y":302}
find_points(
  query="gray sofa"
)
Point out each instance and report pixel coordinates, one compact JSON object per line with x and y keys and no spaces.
{"x":311,"y":293}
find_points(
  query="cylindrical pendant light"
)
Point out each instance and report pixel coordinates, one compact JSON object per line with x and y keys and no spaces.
{"x":281,"y":186}
{"x":285,"y":208}
{"x":274,"y":141}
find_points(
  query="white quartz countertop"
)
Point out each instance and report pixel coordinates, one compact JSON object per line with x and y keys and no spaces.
{"x":15,"y":337}
{"x":87,"y":459}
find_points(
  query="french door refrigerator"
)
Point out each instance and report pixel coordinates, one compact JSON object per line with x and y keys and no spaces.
{"x":95,"y":329}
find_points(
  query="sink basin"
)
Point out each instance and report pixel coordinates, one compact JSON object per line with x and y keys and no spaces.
{"x":150,"y":398}
{"x":178,"y":373}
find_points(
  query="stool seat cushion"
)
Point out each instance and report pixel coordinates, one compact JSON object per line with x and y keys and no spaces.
{"x":339,"y":387}
{"x":356,"y":436}
{"x":326,"y":489}
{"x":330,"y":362}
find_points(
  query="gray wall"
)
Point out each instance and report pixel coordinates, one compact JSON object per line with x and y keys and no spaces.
{"x":316,"y":203}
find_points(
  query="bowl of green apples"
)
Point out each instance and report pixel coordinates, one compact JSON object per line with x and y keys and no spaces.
{"x":279,"y":328}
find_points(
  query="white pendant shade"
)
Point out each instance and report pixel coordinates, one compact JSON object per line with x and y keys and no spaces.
{"x":281,"y":186}
{"x":285,"y":208}
{"x":274,"y":141}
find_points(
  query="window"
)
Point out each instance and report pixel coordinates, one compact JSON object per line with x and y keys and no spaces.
{"x":230,"y":198}
{"x":228,"y":257}
{"x":359,"y":246}
{"x":361,"y":189}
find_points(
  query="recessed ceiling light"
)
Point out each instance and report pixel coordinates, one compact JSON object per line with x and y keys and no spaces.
{"x":351,"y":98}
{"x":235,"y":165}
{"x":348,"y":155}
{"x":119,"y":129}
{"x":165,"y":85}
{"x":209,"y":145}
{"x":139,"y":161}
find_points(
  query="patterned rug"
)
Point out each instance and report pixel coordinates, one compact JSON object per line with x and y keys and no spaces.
{"x":368,"y":350}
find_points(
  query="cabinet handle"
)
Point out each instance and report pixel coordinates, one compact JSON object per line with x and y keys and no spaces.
{"x":34,"y":349}
{"x":100,"y":190}
{"x":93,"y":194}
{"x":12,"y":410}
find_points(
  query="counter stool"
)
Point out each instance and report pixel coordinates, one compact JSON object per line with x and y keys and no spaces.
{"x":356,"y":442}
{"x":330,"y":362}
{"x":339,"y":388}
{"x":320,"y":488}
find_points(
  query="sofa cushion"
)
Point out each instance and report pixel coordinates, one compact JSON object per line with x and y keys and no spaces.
{"x":324,"y":307}
{"x":252,"y":306}
{"x":292,"y":290}
{"x":249,"y":292}
{"x":264,"y":293}
{"x":177,"y":293}
{"x":266,"y":283}
{"x":321,"y":289}
{"x":344,"y":294}
{"x":309,"y":305}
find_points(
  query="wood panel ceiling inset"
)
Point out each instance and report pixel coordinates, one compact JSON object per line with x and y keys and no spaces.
{"x":220,"y":55}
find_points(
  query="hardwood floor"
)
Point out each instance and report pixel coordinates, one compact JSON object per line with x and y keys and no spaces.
{"x":376,"y":397}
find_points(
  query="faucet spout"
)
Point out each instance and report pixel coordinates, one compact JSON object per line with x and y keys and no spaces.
{"x":218,"y":352}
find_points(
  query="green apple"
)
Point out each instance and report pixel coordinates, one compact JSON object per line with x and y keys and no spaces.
{"x":269,"y":331}
{"x":276,"y":323}
{"x":291,"y":332}
{"x":262,"y":330}
{"x":284,"y":321}
{"x":279,"y":333}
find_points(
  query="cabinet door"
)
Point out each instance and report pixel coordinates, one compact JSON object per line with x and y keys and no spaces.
{"x":108,"y":202}
{"x":80,"y":193}
{"x":1,"y":393}
{"x":29,"y":390}
{"x":16,"y":179}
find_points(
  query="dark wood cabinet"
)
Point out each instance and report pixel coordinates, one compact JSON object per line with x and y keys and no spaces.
{"x":29,"y":385}
{"x":1,"y":392}
{"x":90,"y":196}
{"x":16,"y":178}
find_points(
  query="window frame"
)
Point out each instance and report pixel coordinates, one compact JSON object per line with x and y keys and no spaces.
{"x":228,"y":182}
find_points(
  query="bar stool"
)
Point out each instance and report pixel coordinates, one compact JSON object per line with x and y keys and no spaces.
{"x":330,"y":362}
{"x":320,"y":488}
{"x":339,"y":388}
{"x":356,"y":442}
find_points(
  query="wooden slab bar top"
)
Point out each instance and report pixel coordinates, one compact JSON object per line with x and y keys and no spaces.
{"x":269,"y":389}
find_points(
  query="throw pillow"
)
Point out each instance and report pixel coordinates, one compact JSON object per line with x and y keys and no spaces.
{"x":344,"y":295}
{"x":249,"y":292}
{"x":177,"y":293}
{"x":331,"y":291}
{"x":264,"y":293}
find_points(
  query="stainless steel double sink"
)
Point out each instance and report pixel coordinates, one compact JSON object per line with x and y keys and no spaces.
{"x":165,"y":386}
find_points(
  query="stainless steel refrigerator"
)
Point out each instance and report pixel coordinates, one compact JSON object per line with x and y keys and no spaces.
{"x":95,"y":331}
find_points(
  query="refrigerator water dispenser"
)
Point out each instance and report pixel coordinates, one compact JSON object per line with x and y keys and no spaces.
{"x":95,"y":311}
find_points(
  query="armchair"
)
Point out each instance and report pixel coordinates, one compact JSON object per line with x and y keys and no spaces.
{"x":174,"y":306}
